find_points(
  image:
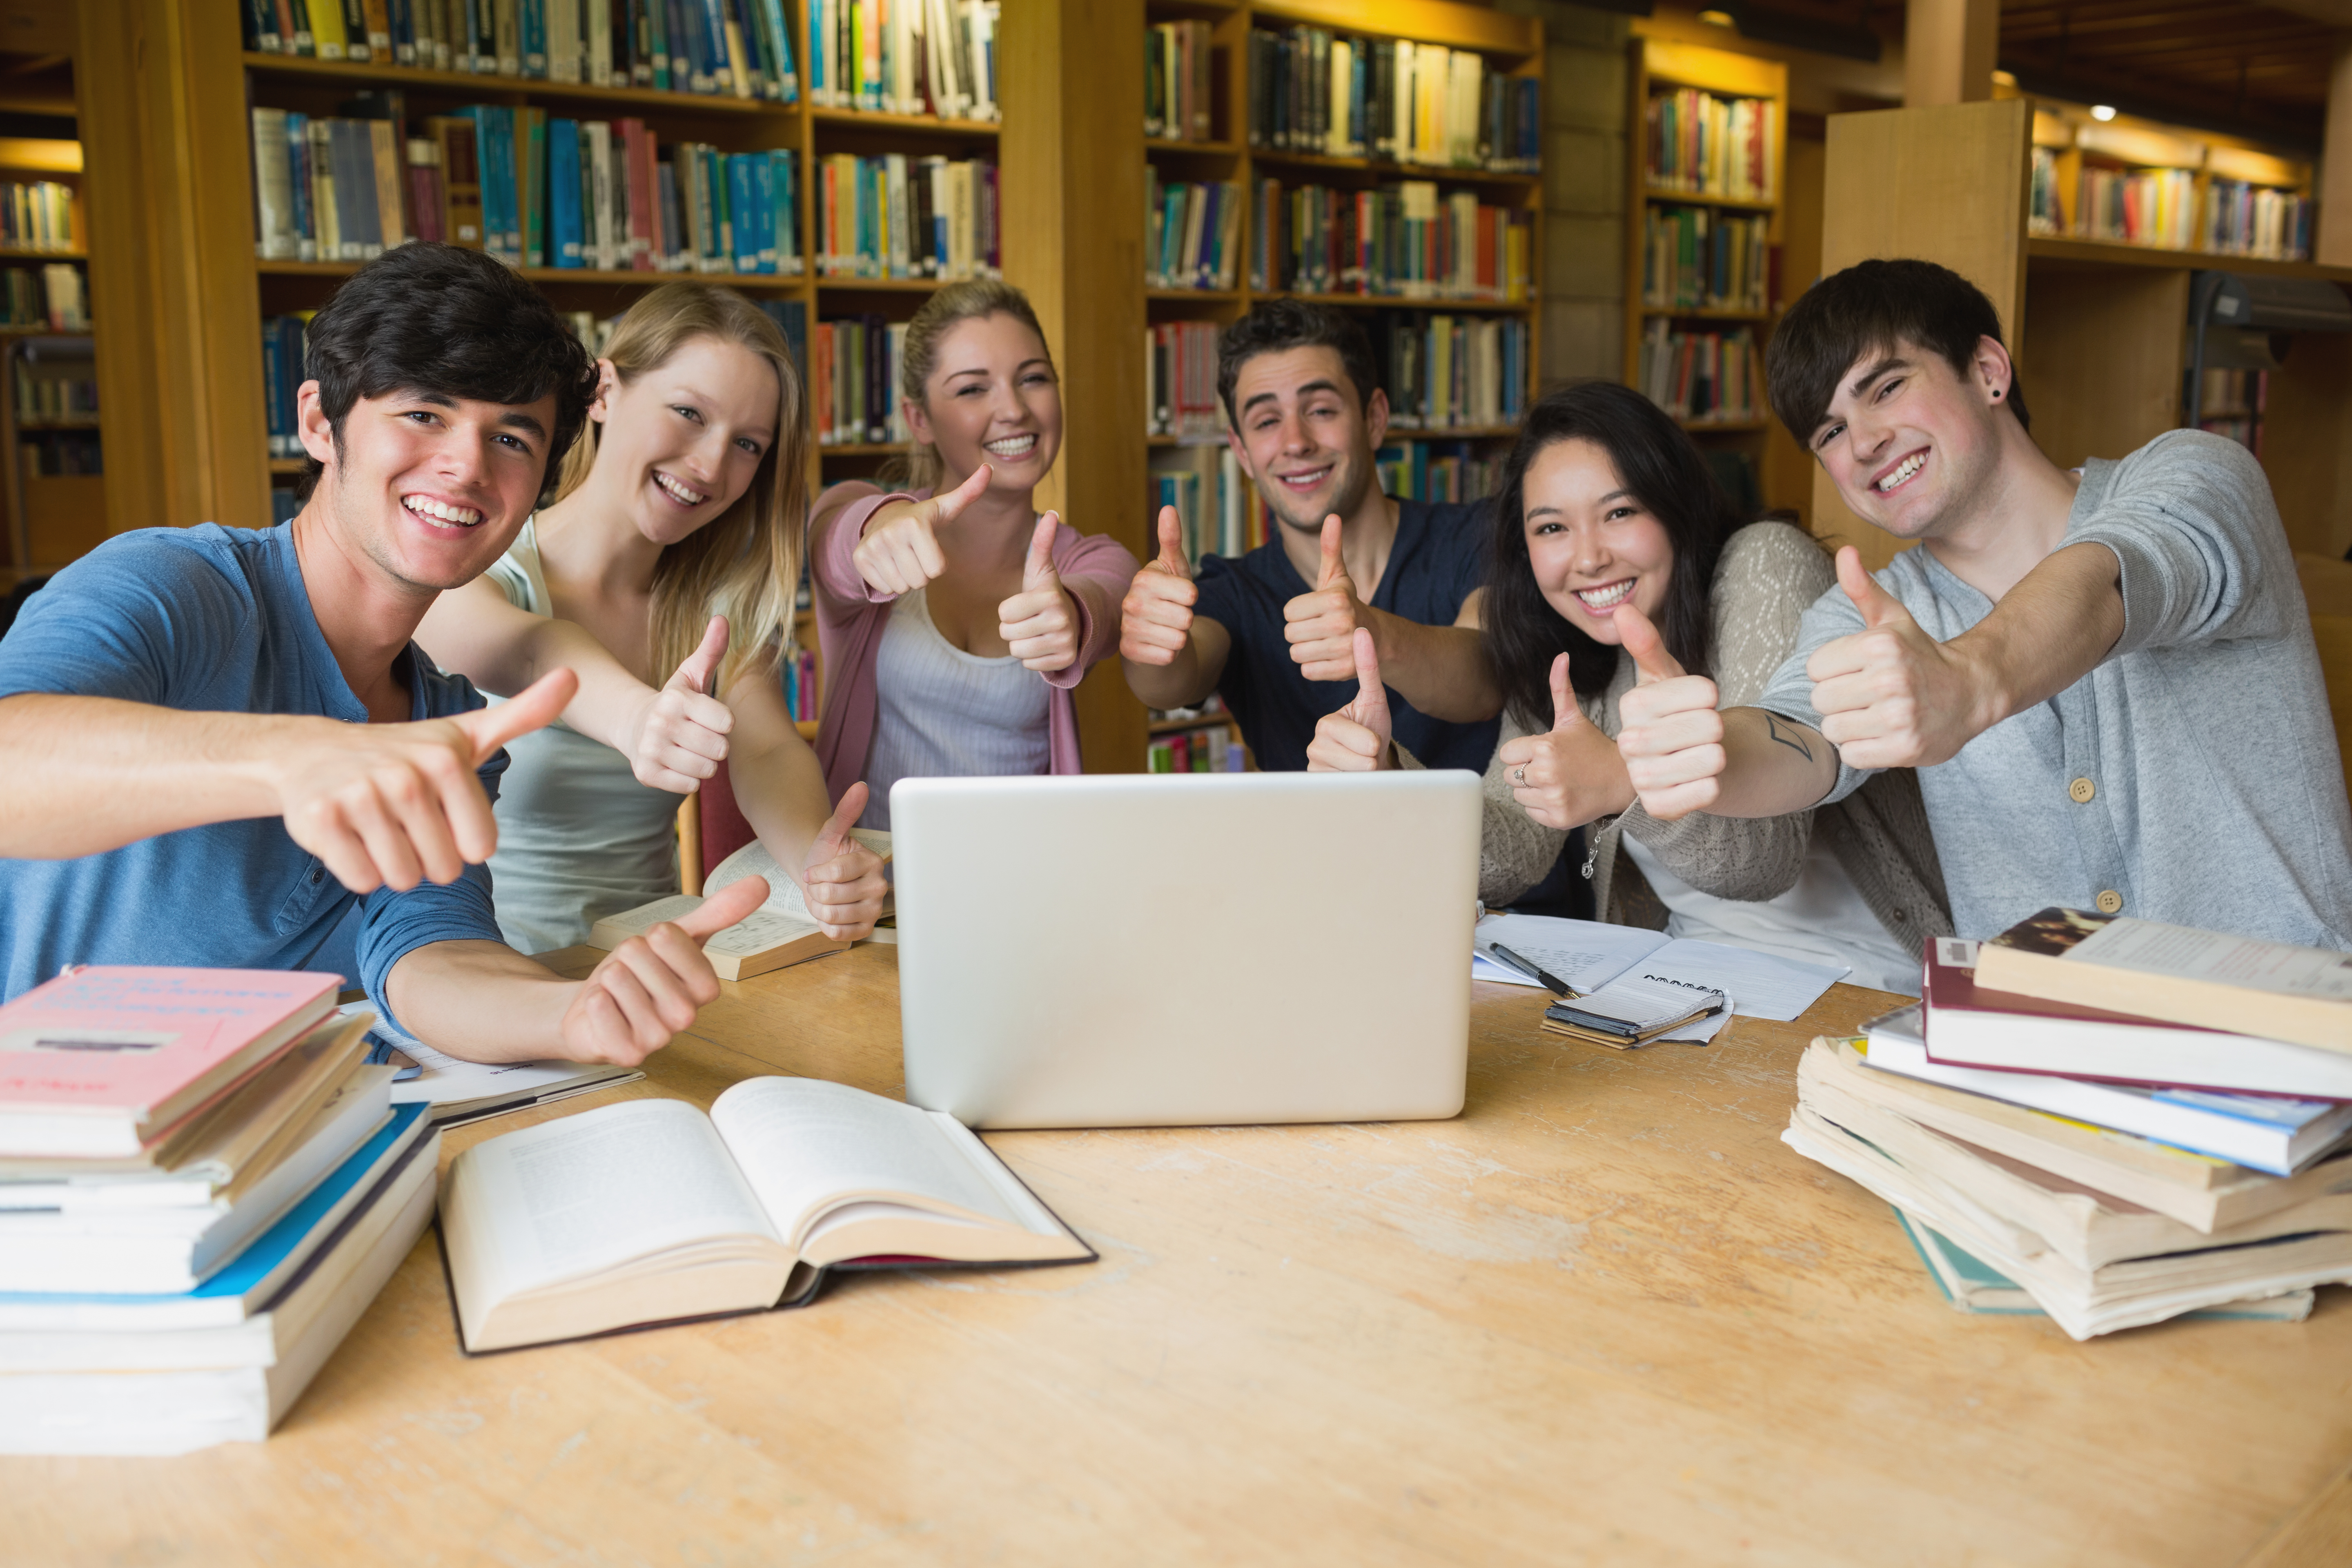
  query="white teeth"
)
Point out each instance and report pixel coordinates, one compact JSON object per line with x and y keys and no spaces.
{"x":1304,"y":481}
{"x":1011,"y":446}
{"x":424,"y":505}
{"x":1606,"y":599}
{"x":678,"y":493}
{"x":1910,"y":466}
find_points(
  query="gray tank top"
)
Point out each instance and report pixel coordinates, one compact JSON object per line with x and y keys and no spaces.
{"x":941,"y":712}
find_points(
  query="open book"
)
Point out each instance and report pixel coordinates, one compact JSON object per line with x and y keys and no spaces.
{"x":778,"y":934}
{"x":651,"y":1212}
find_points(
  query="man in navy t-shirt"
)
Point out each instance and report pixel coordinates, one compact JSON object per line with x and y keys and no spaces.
{"x":222,"y":741}
{"x":1272,"y":631}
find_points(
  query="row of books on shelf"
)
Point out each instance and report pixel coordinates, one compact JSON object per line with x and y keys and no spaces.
{"x":1401,"y":240}
{"x":905,"y":57}
{"x":1180,"y":79}
{"x":1695,"y":258}
{"x":2169,"y":209}
{"x":1702,"y":378}
{"x":42,"y":398}
{"x":853,"y":381}
{"x":51,"y":296}
{"x":738,"y":47}
{"x":37,"y":214}
{"x":798,"y":671}
{"x":56,"y":453}
{"x":2110,"y":1114}
{"x":1213,"y":750}
{"x":1438,"y":471}
{"x":896,"y":217}
{"x":531,"y":190}
{"x":1703,"y":145}
{"x":1313,"y":90}
{"x":1441,"y":372}
{"x":1191,"y":232}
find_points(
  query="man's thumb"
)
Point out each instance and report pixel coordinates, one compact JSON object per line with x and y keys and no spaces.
{"x":1878,"y":607}
{"x":835,"y":831}
{"x":1038,"y":570}
{"x":964,"y":495}
{"x":702,"y":665}
{"x":535,"y":707}
{"x":1370,"y":695}
{"x":724,"y":908}
{"x":1565,"y":713}
{"x":1171,"y":544}
{"x":1651,"y":659}
{"x":1333,"y":567}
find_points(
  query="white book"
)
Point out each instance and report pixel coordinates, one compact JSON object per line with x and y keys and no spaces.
{"x":563,"y":40}
{"x":273,"y":188}
{"x":651,"y":1211}
{"x":599,"y":24}
{"x":601,"y":216}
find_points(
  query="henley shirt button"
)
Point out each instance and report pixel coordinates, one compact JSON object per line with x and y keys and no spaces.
{"x":2109,"y":902}
{"x":2082,"y":790}
{"x":314,"y":876}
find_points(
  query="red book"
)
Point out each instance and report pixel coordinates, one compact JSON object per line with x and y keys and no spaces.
{"x":1970,"y":1025}
{"x":100,"y":1062}
{"x":642,"y":180}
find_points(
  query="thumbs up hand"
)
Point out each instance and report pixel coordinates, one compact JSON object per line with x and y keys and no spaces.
{"x":899,"y":550}
{"x":841,"y":878}
{"x":389,"y":806}
{"x":678,"y":737}
{"x":1320,"y":626}
{"x":1890,"y":695}
{"x":1670,"y":734}
{"x":649,"y":988}
{"x":1355,"y":740}
{"x":1155,"y":620}
{"x":1571,"y":773}
{"x":1039,"y":624}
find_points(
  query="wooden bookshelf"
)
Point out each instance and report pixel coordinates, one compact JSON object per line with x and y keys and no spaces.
{"x":1658,"y":66}
{"x":2098,"y":329}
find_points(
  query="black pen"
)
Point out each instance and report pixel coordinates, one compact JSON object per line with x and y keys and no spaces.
{"x":1551,"y":983}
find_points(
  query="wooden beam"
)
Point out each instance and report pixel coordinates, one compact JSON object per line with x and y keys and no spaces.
{"x":1949,"y":47}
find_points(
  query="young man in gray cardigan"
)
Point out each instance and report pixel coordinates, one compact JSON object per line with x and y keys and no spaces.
{"x":2106,"y":677}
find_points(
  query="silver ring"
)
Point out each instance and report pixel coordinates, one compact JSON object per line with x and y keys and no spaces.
{"x":1519,"y":775}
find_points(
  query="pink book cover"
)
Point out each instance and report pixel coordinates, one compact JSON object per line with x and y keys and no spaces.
{"x":115,"y":1039}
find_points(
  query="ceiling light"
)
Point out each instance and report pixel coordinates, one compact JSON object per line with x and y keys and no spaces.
{"x":1718,"y":19}
{"x":2103,"y":111}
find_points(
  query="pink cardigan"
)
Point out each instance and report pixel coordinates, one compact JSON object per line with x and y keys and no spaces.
{"x":850,"y":615}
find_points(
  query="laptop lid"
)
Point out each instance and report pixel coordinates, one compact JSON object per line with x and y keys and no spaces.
{"x":1133,"y":950}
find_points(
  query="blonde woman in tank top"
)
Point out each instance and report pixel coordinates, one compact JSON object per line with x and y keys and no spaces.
{"x":956,"y":621}
{"x":667,"y":560}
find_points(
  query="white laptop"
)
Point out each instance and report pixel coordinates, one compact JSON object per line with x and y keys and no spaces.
{"x":1140,"y":950}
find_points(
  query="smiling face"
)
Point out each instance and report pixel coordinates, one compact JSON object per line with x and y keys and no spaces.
{"x":992,"y":397}
{"x":1303,"y":435}
{"x":430,"y":488}
{"x":679,"y":445}
{"x":1912,"y":442}
{"x":1593,"y":544}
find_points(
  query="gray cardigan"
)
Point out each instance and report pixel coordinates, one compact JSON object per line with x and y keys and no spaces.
{"x":1768,"y":573}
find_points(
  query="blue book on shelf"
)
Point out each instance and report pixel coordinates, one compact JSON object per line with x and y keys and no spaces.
{"x":565,"y":232}
{"x":714,"y":198}
{"x":820,"y":79}
{"x":273,"y":389}
{"x":533,"y":22}
{"x":742,"y":205}
{"x":787,"y":80}
{"x":658,"y":25}
{"x":722,"y":64}
{"x":786,"y":166}
{"x":248,"y":1281}
{"x":694,"y":26}
{"x":298,"y":174}
{"x":762,"y":170}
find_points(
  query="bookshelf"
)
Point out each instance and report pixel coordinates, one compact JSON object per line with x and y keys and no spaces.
{"x":1703,"y":236}
{"x":2098,"y":328}
{"x":1208,"y":136}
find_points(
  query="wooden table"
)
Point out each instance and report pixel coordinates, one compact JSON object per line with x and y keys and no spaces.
{"x":1603,"y":1316}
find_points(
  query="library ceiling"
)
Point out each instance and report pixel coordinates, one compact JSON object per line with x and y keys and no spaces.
{"x":2258,"y":69}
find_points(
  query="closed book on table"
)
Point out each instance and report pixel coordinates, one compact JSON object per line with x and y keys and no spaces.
{"x":1976,"y":1026}
{"x":103,"y":1060}
{"x":2148,"y":970}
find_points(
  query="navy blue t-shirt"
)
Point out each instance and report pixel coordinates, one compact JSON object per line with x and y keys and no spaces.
{"x":211,"y":619}
{"x":1439,"y":557}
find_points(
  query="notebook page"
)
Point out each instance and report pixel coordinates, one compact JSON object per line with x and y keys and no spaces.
{"x":801,"y":1141}
{"x":1584,"y":955}
{"x":1761,"y":985}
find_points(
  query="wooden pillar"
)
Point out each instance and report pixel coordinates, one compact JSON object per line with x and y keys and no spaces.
{"x":2332,"y":246}
{"x":180,"y":399}
{"x":1949,"y":49}
{"x":1072,"y":238}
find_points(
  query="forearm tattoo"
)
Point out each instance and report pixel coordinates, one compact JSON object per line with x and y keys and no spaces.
{"x":1791,"y":737}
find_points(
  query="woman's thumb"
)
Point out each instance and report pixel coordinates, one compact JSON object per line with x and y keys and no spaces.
{"x":964,"y":495}
{"x":1565,"y":713}
{"x":1641,"y":639}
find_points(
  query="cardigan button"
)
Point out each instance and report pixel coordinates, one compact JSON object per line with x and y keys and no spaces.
{"x":2109,"y":902}
{"x":2082,"y":790}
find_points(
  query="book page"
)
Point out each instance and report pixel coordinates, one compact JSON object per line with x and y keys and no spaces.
{"x":804,"y":1144}
{"x":2150,"y":947}
{"x":785,"y":896}
{"x":1584,"y":955}
{"x":583,"y":1194}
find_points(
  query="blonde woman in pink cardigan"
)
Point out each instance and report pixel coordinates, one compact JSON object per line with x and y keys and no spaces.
{"x":954,"y":620}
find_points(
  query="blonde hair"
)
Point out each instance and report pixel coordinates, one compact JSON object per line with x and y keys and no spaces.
{"x":969,"y":301}
{"x":745,"y":563}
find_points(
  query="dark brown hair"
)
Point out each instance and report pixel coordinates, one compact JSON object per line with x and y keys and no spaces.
{"x":1275,"y":325}
{"x":1874,"y":307}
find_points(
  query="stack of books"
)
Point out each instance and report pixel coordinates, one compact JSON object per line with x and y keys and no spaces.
{"x":203,"y":1184}
{"x":2129,"y":1121}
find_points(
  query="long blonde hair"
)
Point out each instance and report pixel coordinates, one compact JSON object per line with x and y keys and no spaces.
{"x":745,"y":563}
{"x":969,"y":301}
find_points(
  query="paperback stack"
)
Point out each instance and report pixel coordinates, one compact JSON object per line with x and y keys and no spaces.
{"x":201,"y":1187}
{"x":2129,"y":1121}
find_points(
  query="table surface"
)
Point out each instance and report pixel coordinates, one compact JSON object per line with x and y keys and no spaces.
{"x":1604,"y":1316}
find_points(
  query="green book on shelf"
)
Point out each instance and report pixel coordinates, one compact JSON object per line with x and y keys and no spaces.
{"x":1973,"y":1285}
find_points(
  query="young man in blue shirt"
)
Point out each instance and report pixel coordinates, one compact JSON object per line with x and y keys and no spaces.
{"x":1272,"y":631}
{"x":225,"y":750}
